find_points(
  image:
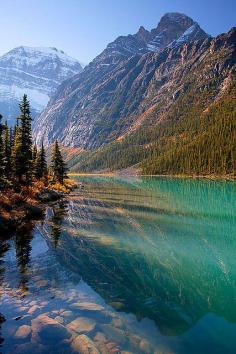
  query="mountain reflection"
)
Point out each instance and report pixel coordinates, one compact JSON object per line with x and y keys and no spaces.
{"x":167,"y":256}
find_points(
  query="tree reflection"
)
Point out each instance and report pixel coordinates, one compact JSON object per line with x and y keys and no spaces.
{"x":23,"y":240}
{"x":59,"y":213}
{"x":4,"y":246}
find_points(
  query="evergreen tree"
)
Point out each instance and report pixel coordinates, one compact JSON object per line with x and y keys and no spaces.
{"x":7,"y":152}
{"x":41,"y":164}
{"x":17,"y":156}
{"x":26,"y":138}
{"x":34,"y":161}
{"x":58,"y":166}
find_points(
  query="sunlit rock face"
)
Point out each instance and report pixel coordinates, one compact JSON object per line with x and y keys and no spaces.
{"x":93,"y":107}
{"x":35,"y":71}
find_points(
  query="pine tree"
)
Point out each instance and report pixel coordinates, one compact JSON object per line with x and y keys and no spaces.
{"x":58,"y":166}
{"x":26,"y":138}
{"x":7,"y":152}
{"x":41,"y":164}
{"x":34,"y":161}
{"x":17,"y":156}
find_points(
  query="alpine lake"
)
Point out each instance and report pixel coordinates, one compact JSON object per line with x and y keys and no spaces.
{"x":124,"y":265}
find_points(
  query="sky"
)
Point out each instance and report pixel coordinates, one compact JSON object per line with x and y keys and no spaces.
{"x":83,"y":28}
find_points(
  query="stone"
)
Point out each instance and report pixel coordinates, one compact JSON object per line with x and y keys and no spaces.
{"x":59,"y":319}
{"x":31,"y":348}
{"x":67,"y":314}
{"x":117,"y":322}
{"x":135,"y":340}
{"x":84,"y":345}
{"x":114,"y":333}
{"x":33,"y":309}
{"x":23,"y":332}
{"x":145,"y":346}
{"x":48,"y":195}
{"x":82,"y":325}
{"x":32,"y":303}
{"x":47,"y":330}
{"x":87,"y":306}
{"x":42,"y":283}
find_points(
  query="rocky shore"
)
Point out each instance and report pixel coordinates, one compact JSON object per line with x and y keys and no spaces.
{"x":17,"y":209}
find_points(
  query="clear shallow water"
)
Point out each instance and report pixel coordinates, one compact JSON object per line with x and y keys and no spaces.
{"x":143,"y":266}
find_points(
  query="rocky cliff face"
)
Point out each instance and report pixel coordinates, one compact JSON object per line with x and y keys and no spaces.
{"x":101,"y":103}
{"x":35,"y":71}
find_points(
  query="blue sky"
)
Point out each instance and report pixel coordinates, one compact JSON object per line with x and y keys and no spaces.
{"x":83,"y":28}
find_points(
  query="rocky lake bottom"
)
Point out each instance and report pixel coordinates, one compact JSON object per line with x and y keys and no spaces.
{"x":124,"y":265}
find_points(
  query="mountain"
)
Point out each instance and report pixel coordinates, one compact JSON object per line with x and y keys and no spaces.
{"x":168,"y":111}
{"x":188,"y":124}
{"x":94,"y":100}
{"x":35,"y":71}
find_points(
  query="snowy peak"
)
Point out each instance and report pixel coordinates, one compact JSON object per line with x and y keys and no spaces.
{"x":44,"y":61}
{"x":36,"y":71}
{"x":171,"y":28}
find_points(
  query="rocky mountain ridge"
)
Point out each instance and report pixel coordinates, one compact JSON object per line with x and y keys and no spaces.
{"x":106,"y":91}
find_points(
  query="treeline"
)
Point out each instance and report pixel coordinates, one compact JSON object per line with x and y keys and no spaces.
{"x":197,"y":138}
{"x":21,"y":162}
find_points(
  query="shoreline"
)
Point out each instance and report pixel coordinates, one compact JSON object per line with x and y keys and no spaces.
{"x":17,"y":211}
{"x":117,"y":174}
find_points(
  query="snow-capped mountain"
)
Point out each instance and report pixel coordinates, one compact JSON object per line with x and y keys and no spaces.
{"x":86,"y":108}
{"x":35,"y":71}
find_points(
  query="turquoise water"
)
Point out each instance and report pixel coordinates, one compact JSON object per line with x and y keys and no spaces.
{"x":144,"y":265}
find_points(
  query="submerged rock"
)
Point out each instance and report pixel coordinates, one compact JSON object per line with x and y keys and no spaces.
{"x":82,"y":325}
{"x":84,"y":345}
{"x":87,"y":306}
{"x":145,"y":346}
{"x":47,"y":330}
{"x":23,"y":332}
{"x":30,"y":348}
{"x":113,"y":333}
{"x":59,"y":319}
{"x":33,"y":309}
{"x":67,"y":314}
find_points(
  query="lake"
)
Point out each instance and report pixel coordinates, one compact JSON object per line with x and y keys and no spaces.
{"x":125,"y":265}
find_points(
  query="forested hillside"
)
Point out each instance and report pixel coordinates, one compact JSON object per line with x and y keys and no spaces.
{"x":194,"y":134}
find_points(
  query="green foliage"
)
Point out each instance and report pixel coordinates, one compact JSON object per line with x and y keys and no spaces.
{"x":40,"y":163}
{"x":7,"y":152}
{"x":196,"y":138}
{"x":58,"y":166}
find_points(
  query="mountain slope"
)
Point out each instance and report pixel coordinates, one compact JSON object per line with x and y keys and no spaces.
{"x":87,"y":109}
{"x":35,"y":71}
{"x":191,"y":125}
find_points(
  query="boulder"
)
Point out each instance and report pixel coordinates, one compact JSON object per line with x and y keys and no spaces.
{"x":23,"y":332}
{"x":47,"y":330}
{"x":48,"y":195}
{"x":83,"y":345}
{"x":30,"y":348}
{"x":82,"y":325}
